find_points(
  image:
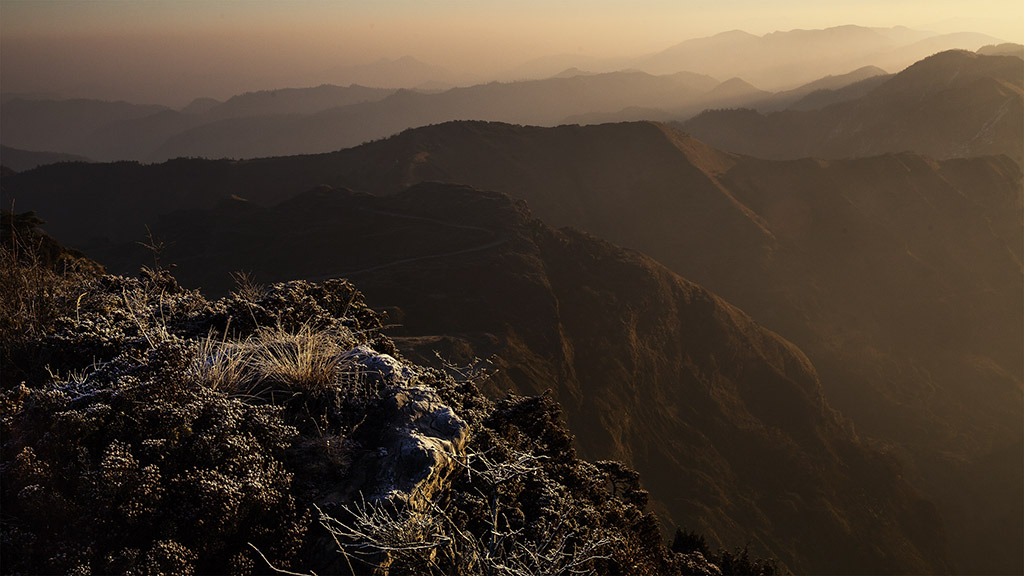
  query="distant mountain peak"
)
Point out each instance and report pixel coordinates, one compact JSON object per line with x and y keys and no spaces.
{"x":734,"y":34}
{"x":732,"y":88}
{"x":831,"y":30}
{"x":200,"y":105}
{"x":572,"y":72}
{"x":407,"y":59}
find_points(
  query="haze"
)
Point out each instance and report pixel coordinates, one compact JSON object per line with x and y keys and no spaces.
{"x":166,"y":52}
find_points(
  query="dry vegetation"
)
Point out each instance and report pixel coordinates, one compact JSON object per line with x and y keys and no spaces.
{"x":39,"y":282}
{"x":147,"y":430}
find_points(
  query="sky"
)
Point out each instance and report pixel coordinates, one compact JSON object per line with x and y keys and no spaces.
{"x":170,"y":51}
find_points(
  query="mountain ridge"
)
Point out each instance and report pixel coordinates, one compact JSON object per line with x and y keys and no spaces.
{"x":650,"y":368}
{"x":951,"y":104}
{"x":319,"y":119}
{"x":782,"y":60}
{"x":21,"y":160}
{"x":898,"y":275}
{"x":226,"y":474}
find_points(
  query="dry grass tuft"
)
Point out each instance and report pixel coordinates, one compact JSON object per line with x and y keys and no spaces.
{"x":246,"y":287}
{"x":304,"y":361}
{"x":274,"y":360}
{"x":221,"y":364}
{"x":35,"y":287}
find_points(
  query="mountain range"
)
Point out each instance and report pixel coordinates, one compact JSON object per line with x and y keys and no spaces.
{"x":948,"y":105}
{"x":327,"y":117}
{"x":785,"y":59}
{"x":808,"y":308}
{"x":726,"y":421}
{"x":780,"y":60}
{"x":404,"y":72}
{"x":21,"y":160}
{"x":897,"y":275}
{"x":285,"y":122}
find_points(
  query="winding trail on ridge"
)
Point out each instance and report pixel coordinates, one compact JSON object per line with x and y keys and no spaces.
{"x":498,"y":241}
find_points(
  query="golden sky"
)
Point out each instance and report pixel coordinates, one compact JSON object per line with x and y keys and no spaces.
{"x":164,"y":50}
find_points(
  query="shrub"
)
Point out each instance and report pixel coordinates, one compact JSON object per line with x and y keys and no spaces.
{"x":521,"y":504}
{"x":146,"y":430}
{"x":131,"y":440}
{"x":39,"y":282}
{"x":137,"y":469}
{"x":740,"y":562}
{"x":689,"y":542}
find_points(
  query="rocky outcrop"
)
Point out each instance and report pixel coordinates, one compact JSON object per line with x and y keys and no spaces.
{"x":425,"y":437}
{"x":418,"y":437}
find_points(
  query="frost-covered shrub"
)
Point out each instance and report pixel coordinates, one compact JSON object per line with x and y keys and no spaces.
{"x":121,"y":454}
{"x":520,"y":503}
{"x":139,"y":470}
{"x":147,"y":430}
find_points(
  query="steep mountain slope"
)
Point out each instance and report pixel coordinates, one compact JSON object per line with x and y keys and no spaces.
{"x":948,"y":105}
{"x":725,"y":421}
{"x":899,"y":276}
{"x":187,"y":437}
{"x":813,"y":249}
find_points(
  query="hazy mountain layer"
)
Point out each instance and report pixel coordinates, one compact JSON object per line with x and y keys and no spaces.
{"x":948,"y":105}
{"x":310,"y":120}
{"x":404,"y":72}
{"x":296,"y":100}
{"x":64,"y":125}
{"x":20,"y":160}
{"x":737,"y":92}
{"x":824,"y":91}
{"x":978,"y":113}
{"x":120,"y":131}
{"x":1004,"y":49}
{"x":781,"y":60}
{"x":543,"y":102}
{"x":726,"y":422}
{"x":827,"y":96}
